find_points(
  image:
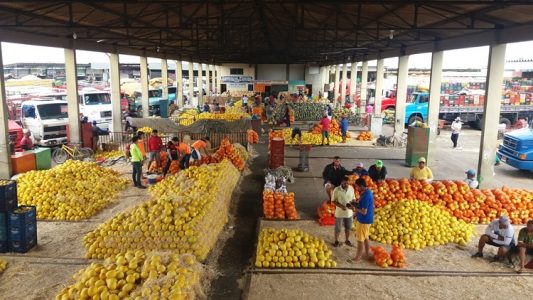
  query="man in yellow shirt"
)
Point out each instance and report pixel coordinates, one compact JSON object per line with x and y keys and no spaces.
{"x":421,"y":172}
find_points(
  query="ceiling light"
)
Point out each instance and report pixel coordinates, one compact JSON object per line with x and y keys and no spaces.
{"x":100,"y":41}
{"x":391,"y":34}
{"x":74,"y":35}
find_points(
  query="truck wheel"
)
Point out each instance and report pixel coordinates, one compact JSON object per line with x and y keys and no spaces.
{"x":413,"y":119}
{"x":505,"y":121}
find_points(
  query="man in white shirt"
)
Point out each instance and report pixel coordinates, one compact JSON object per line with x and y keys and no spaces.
{"x":456,"y":128}
{"x":244,"y":101}
{"x":343,"y":196}
{"x":499,"y":233}
{"x":471,"y":179}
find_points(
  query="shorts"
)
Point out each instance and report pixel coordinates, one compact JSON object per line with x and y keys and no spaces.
{"x":508,"y":247}
{"x":325,"y":134}
{"x":347,"y":222}
{"x":362,"y":231}
{"x":296,"y":132}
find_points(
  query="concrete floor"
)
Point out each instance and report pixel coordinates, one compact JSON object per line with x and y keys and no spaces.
{"x":449,"y":164}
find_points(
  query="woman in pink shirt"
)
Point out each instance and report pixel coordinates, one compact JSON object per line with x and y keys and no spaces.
{"x":325,"y":128}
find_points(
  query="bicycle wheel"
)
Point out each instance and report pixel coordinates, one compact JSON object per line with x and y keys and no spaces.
{"x":390,"y":141}
{"x":59,"y":155}
{"x":85,"y":153}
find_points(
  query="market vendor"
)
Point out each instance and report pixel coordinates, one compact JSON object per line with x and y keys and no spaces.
{"x":377,"y":171}
{"x":499,"y":233}
{"x":343,"y":196}
{"x":333,"y":175}
{"x":525,"y":244}
{"x":296,"y":132}
{"x":471,"y":179}
{"x":360,"y":170}
{"x":26,"y":143}
{"x":421,"y":172}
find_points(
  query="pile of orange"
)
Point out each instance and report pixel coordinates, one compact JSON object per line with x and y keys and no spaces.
{"x":154,"y":168}
{"x":365,"y":136}
{"x":398,"y":257}
{"x":253,"y":137}
{"x":381,"y":257}
{"x":278,"y":205}
{"x":326,"y":213}
{"x":334,"y":128}
{"x":226,"y":150}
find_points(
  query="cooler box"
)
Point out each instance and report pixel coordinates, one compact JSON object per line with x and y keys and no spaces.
{"x":417,"y":145}
{"x":23,"y":162}
{"x":43,"y":158}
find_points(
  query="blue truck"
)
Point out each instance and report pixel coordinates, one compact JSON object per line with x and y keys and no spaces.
{"x":517,"y":148}
{"x":416,"y":109}
{"x":154,"y":96}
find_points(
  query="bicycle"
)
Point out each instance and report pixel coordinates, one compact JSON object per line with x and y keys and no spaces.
{"x":61,"y":154}
{"x":397,"y":140}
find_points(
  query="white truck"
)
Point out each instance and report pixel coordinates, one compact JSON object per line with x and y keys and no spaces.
{"x":96,"y":106}
{"x":47,"y":121}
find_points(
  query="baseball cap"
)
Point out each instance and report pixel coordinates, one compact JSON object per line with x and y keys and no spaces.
{"x":504,"y":219}
{"x":458,"y":119}
{"x":422,"y":159}
{"x":359,"y":165}
{"x":470,"y":172}
{"x":379,"y":163}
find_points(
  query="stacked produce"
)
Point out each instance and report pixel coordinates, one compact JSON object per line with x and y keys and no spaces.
{"x":277,"y":205}
{"x":241,"y":151}
{"x":253,"y":137}
{"x":185,"y":214}
{"x":470,"y":205}
{"x":309,"y":138}
{"x":365,"y":136}
{"x":159,"y":275}
{"x":231,"y":114}
{"x":288,"y":248}
{"x":145,"y":129}
{"x":326,"y":213}
{"x":399,"y":259}
{"x":3,"y":265}
{"x":74,"y":190}
{"x":302,"y":111}
{"x":227,"y":151}
{"x":381,"y":257}
{"x":105,"y":155}
{"x":155,"y":168}
{"x":414,"y":224}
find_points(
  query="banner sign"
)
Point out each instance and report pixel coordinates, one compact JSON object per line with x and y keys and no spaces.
{"x":236,"y":79}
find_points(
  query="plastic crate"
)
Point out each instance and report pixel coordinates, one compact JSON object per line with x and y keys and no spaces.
{"x":4,"y":246}
{"x":22,"y":233}
{"x":23,"y":246}
{"x":8,"y":196}
{"x":3,"y":226}
{"x":20,"y":219}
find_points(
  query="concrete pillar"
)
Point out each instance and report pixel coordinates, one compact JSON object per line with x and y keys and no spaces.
{"x":491,"y":117}
{"x":343,"y":84}
{"x":353,"y":80}
{"x":380,"y":70}
{"x":401,"y":94}
{"x":217,"y":79}
{"x":114,"y":70}
{"x":211,"y":78}
{"x":179,"y":83}
{"x":364,"y":85}
{"x":5,"y":155}
{"x":434,"y":101}
{"x":144,"y":87}
{"x":72,"y":96}
{"x":200,"y":85}
{"x":336,"y":85}
{"x":191,"y":83}
{"x":164,"y":78}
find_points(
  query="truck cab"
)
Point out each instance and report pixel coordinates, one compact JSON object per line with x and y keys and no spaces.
{"x":416,"y":108}
{"x":172,"y":90}
{"x":47,"y":121}
{"x":517,"y":148}
{"x":154,"y":96}
{"x":96,"y":106}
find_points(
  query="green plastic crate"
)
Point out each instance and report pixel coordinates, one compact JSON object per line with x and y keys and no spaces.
{"x":43,"y":158}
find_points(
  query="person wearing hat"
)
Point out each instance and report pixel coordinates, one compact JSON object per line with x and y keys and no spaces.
{"x":360,"y":170}
{"x":499,"y":233}
{"x":377,"y":171}
{"x":421,"y":172}
{"x":26,"y":143}
{"x":456,"y":128}
{"x":471,"y":179}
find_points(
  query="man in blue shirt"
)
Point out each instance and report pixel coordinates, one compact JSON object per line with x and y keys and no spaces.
{"x":344,"y":127}
{"x":364,"y":214}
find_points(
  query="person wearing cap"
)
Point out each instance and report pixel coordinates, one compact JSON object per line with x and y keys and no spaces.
{"x":471,"y":179}
{"x":377,"y":171}
{"x":456,"y":129}
{"x":499,"y":233}
{"x":525,"y":244}
{"x":26,"y":143}
{"x":360,"y":170}
{"x":421,"y":172}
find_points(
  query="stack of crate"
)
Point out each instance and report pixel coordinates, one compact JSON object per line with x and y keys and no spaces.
{"x":18,"y":224}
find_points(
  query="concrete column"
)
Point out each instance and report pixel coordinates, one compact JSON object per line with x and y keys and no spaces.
{"x":144,"y":87}
{"x":164,"y":78}
{"x":200,"y":84}
{"x":5,"y":155}
{"x":336,"y":84}
{"x":179,"y":83}
{"x":343,"y":84}
{"x":380,"y":70}
{"x":353,"y":80}
{"x":364,"y":85}
{"x":114,"y":70}
{"x":217,"y":79}
{"x":72,"y":96}
{"x":191,"y":83}
{"x":401,"y":94}
{"x":491,"y":117}
{"x":434,"y":101}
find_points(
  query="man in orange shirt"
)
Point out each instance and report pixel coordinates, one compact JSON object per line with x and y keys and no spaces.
{"x":199,"y":148}
{"x":175,"y":150}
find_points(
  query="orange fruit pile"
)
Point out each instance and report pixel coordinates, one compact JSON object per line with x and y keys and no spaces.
{"x":226,"y":150}
{"x":278,"y":205}
{"x":398,"y":257}
{"x":252,"y":136}
{"x":365,"y":136}
{"x":381,"y":257}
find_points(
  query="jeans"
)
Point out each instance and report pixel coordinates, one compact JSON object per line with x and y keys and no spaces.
{"x":137,"y":171}
{"x":184,"y":163}
{"x":167,"y":166}
{"x":455,"y":137}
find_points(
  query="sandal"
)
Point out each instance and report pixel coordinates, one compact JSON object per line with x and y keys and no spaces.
{"x":336,"y":244}
{"x":349,"y":243}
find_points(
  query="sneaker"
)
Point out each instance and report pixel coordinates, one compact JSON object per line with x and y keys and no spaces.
{"x":141,"y":186}
{"x":349,"y":243}
{"x":336,"y":244}
{"x":477,"y":255}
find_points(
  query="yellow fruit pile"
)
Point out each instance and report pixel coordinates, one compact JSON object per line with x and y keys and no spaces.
{"x":309,"y":138}
{"x":4,"y":182}
{"x":414,"y":224}
{"x":241,"y":151}
{"x":186,"y":213}
{"x":134,"y":274}
{"x":145,"y":129}
{"x":74,"y":190}
{"x":231,"y":114}
{"x":3,"y":265}
{"x":288,"y":248}
{"x":109,"y":154}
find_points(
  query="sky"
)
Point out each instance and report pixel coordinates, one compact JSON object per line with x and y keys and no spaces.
{"x":461,"y":58}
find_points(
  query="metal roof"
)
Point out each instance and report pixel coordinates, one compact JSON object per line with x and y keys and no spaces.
{"x":266,"y":31}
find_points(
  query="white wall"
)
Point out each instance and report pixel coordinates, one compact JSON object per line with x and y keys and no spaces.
{"x":297,"y":72}
{"x":248,"y":70}
{"x":271,"y":72}
{"x":315,"y":80}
